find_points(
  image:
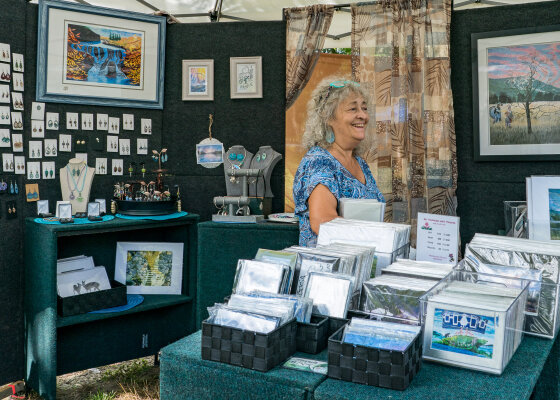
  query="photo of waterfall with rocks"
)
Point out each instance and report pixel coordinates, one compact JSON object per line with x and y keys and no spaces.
{"x":104,"y":56}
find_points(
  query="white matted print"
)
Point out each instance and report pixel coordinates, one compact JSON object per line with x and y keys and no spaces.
{"x":198,"y":80}
{"x":245,"y":77}
{"x":83,"y":281}
{"x":150,"y":268}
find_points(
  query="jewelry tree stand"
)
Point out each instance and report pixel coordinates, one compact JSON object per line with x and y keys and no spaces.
{"x":236,"y":208}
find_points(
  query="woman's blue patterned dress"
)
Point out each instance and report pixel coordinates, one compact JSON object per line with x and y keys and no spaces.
{"x":319,"y":166}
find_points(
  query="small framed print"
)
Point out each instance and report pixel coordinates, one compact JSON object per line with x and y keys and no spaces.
{"x":128,"y":122}
{"x":37,"y":129}
{"x":5,"y":115}
{"x":65,"y":143}
{"x":37,"y":110}
{"x":146,"y":126}
{"x":101,"y":166}
{"x":52,"y":121}
{"x":5,"y":94}
{"x":117,"y":167}
{"x":142,"y":146}
{"x":5,"y":52}
{"x":209,"y":153}
{"x":18,"y":62}
{"x":72,"y":121}
{"x":5,"y":139}
{"x":34,"y":170}
{"x":17,"y":100}
{"x":112,"y":144}
{"x":245,"y":77}
{"x":8,"y":162}
{"x":124,"y":147}
{"x":114,"y":125}
{"x":49,"y":171}
{"x":17,"y":142}
{"x":102,"y":122}
{"x":51,"y":147}
{"x":19,"y":162}
{"x":198,"y":80}
{"x":18,"y":82}
{"x":87,"y":122}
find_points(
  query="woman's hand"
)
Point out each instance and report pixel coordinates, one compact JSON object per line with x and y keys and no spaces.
{"x":322,"y":207}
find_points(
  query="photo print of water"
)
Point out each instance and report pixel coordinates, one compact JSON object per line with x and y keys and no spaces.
{"x":104,"y":56}
{"x":524,"y":94}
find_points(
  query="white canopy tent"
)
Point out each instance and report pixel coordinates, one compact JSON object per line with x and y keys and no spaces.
{"x":192,"y":11}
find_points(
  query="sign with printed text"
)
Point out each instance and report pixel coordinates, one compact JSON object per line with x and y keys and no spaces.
{"x":437,"y":238}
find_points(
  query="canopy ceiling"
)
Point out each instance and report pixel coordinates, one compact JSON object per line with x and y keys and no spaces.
{"x":191,"y":11}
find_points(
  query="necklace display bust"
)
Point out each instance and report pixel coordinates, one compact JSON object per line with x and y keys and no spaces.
{"x":237,"y":157}
{"x":75,"y":184}
{"x":265,"y":159}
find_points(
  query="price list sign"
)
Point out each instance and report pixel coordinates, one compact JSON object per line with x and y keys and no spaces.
{"x":437,"y":238}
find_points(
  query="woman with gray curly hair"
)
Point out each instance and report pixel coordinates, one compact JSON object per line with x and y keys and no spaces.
{"x":332,"y":168}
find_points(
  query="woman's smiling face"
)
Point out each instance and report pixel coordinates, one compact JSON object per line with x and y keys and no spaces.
{"x":351,"y":118}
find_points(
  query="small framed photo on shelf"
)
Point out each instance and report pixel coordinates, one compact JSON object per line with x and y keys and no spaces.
{"x":198,"y":80}
{"x":150,"y":268}
{"x":245,"y":77}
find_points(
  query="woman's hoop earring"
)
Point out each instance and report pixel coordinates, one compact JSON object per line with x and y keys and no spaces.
{"x":329,"y":137}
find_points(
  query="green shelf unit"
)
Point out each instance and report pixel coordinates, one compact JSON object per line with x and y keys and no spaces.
{"x":56,"y":345}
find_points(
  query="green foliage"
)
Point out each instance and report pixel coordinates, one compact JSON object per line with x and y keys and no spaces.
{"x":103,"y":396}
{"x":344,"y":50}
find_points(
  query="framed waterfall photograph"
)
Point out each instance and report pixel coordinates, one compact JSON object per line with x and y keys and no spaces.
{"x":516,"y":94}
{"x":149,"y":267}
{"x":198,"y":80}
{"x":100,"y":56}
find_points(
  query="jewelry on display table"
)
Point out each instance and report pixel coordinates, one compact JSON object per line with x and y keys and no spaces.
{"x":75,"y":183}
{"x":140,"y":198}
{"x":236,"y":158}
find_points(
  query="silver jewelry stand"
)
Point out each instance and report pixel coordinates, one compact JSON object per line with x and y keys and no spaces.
{"x":242,"y":202}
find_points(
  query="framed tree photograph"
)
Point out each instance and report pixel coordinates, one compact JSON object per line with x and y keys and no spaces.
{"x":101,"y":56}
{"x":245,"y":77}
{"x":198,"y":80}
{"x":149,"y":267}
{"x":516,"y":94}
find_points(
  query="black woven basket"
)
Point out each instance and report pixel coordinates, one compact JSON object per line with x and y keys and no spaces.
{"x":312,"y":337}
{"x":373,"y":367}
{"x":248,"y":349}
{"x":83,"y":303}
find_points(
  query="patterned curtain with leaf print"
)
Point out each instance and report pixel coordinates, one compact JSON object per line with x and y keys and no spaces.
{"x":400,"y":53}
{"x":306,"y":29}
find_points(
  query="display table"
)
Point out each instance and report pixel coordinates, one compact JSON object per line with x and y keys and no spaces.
{"x":436,"y":381}
{"x":185,"y":375}
{"x":220,"y":245}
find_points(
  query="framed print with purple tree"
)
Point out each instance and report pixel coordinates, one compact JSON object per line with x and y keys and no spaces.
{"x":516,"y":94}
{"x":101,"y":56}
